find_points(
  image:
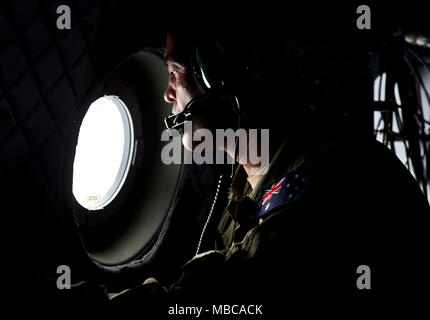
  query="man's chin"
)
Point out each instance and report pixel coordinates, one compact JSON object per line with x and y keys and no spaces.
{"x":189,"y":144}
{"x":187,"y":141}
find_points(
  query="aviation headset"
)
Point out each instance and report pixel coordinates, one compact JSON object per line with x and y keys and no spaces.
{"x":220,"y":76}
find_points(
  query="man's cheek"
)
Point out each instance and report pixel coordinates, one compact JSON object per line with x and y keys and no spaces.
{"x":188,"y":135}
{"x":184,"y":98}
{"x":187,"y":141}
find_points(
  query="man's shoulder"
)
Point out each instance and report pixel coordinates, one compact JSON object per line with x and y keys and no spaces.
{"x":344,"y":174}
{"x":298,"y":181}
{"x":284,"y":190}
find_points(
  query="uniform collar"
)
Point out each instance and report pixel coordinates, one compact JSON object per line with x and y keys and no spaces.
{"x":241,"y":188}
{"x":288,"y":157}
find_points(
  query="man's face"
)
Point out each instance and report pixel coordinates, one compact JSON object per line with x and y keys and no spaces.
{"x":181,"y":88}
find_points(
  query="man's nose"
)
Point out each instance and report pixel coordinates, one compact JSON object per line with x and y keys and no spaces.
{"x":170,"y":94}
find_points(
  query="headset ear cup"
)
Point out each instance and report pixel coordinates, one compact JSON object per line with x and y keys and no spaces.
{"x":213,"y":63}
{"x":202,"y":72}
{"x":198,"y":78}
{"x":219,"y":68}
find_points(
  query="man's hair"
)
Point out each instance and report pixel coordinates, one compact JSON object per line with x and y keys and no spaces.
{"x":273,"y":57}
{"x":303,"y":84}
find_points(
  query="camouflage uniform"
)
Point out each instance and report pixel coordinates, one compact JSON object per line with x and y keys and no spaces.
{"x":341,"y":205}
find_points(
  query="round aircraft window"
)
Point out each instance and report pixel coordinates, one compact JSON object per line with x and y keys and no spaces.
{"x":103,"y":154}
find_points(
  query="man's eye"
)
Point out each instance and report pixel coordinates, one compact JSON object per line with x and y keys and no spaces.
{"x":174,"y":72}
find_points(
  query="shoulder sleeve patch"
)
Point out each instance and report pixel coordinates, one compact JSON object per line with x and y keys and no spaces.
{"x":284,"y":190}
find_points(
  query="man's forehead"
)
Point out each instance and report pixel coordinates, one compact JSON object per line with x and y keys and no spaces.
{"x":171,"y":60}
{"x":177,"y":51}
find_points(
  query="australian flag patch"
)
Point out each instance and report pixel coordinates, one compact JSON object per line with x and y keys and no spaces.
{"x":284,"y":190}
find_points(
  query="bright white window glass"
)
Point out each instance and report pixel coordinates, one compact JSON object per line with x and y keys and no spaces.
{"x":425,"y":103}
{"x":103,"y":153}
{"x":378,"y":125}
{"x":397,"y":95}
{"x":376,"y":88}
{"x":379,"y":87}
